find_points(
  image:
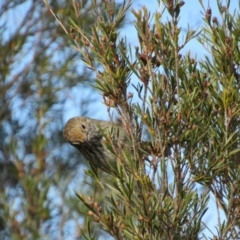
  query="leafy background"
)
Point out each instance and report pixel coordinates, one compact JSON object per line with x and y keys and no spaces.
{"x":43,"y":82}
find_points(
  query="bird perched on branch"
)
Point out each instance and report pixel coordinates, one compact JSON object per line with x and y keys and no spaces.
{"x":89,"y":137}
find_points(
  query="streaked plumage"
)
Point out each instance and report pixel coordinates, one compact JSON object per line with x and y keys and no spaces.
{"x":87,"y":135}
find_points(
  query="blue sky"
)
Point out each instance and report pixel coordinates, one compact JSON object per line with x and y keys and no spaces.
{"x":191,"y":16}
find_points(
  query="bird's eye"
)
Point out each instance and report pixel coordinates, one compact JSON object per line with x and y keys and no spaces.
{"x":83,"y":126}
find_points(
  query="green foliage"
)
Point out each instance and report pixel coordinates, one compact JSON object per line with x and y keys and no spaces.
{"x":36,"y":73}
{"x":183,"y":129}
{"x":188,"y":105}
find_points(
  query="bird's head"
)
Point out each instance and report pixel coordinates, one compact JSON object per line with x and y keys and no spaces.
{"x":77,"y":130}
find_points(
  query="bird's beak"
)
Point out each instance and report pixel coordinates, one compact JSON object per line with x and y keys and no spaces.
{"x":74,"y":142}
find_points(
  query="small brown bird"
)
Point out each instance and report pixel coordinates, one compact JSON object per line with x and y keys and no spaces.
{"x":87,"y":135}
